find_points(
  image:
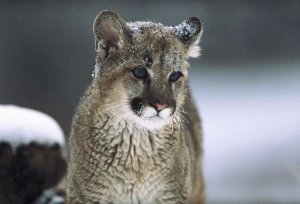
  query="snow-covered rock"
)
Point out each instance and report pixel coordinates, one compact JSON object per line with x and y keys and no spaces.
{"x":31,"y":155}
{"x":20,"y":125}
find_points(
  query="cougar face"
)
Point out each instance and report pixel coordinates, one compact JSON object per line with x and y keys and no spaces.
{"x":144,"y":65}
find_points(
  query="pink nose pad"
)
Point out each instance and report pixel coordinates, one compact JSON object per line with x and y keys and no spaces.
{"x":160,"y":107}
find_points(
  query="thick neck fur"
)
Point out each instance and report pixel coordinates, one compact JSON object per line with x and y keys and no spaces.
{"x":121,"y":144}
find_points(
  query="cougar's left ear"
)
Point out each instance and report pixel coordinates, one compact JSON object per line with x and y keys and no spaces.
{"x":110,"y":32}
{"x":189,"y":32}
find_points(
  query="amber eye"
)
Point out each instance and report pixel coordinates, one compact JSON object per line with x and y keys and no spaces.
{"x":140,"y":72}
{"x":174,"y":76}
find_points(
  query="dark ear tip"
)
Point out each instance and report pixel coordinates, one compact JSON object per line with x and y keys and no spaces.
{"x":195,"y":22}
{"x":188,"y":30}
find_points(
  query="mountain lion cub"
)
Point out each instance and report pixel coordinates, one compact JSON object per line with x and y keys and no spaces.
{"x":136,"y":136}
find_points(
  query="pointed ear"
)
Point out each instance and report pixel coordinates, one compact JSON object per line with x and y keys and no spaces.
{"x":110,"y":32}
{"x":189,"y":32}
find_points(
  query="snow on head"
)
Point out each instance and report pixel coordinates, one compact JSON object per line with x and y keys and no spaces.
{"x":23,"y":125}
{"x":184,"y":31}
{"x":135,"y":27}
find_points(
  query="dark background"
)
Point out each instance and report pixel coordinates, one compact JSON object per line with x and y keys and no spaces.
{"x":250,"y":53}
{"x":47,"y":47}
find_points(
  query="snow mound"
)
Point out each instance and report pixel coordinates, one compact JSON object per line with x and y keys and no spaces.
{"x":20,"y":126}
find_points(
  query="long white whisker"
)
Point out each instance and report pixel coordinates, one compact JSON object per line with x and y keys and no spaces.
{"x":123,"y":117}
{"x":176,"y":120}
{"x":182,"y":117}
{"x":181,"y":110}
{"x":113,"y":108}
{"x":114,"y":103}
{"x":172,"y":124}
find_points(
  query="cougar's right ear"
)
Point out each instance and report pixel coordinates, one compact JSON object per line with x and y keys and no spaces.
{"x":110,"y":32}
{"x":189,"y":32}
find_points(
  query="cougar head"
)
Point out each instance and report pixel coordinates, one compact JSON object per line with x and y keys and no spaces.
{"x":141,"y":67}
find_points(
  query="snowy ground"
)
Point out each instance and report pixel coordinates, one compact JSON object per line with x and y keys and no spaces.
{"x":251,"y":123}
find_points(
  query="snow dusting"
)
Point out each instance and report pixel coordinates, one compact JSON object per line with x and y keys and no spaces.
{"x":135,"y":27}
{"x":96,"y":71}
{"x":185,"y":31}
{"x":23,"y":125}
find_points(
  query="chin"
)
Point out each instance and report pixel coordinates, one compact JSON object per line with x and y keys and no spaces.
{"x":152,"y":120}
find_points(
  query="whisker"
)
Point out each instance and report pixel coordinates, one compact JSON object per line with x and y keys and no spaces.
{"x":123,"y":117}
{"x":172,"y":124}
{"x":182,"y":117}
{"x":112,"y":105}
{"x":181,"y":110}
{"x":176,"y":120}
{"x":113,"y":108}
{"x":115,"y":102}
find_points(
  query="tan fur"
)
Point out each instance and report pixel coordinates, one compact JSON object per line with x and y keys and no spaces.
{"x":117,"y":156}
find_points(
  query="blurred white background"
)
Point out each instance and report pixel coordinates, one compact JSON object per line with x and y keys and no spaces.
{"x":251,"y":124}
